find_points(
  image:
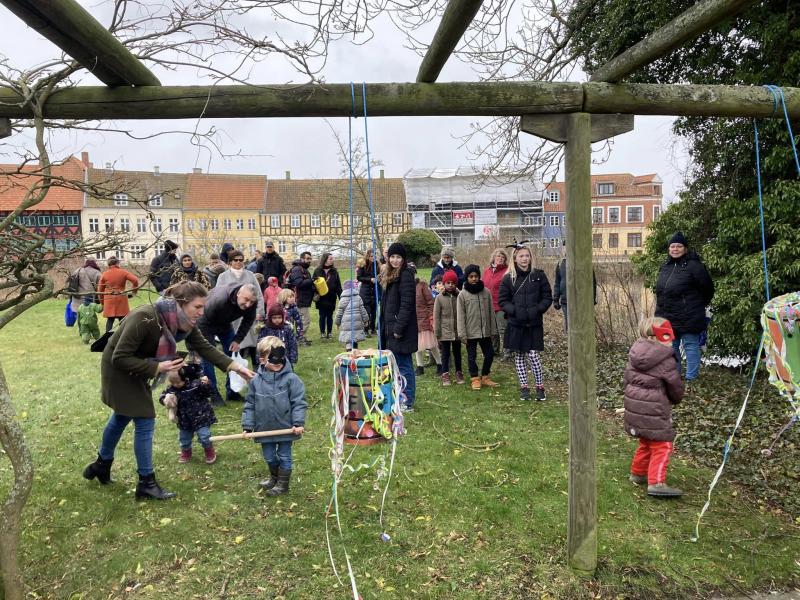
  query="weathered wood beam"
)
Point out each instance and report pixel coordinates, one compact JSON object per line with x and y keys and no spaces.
{"x":79,"y":34}
{"x":458,"y":14}
{"x":403,"y":99}
{"x":688,"y":25}
{"x":582,"y":364}
{"x":555,"y":127}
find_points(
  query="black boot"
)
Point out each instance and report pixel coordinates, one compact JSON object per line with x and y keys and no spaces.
{"x":282,"y":486}
{"x":148,"y":488}
{"x":420,"y":371}
{"x":268,"y":484}
{"x":101,"y":469}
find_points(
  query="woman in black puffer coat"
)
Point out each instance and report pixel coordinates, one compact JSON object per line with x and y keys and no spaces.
{"x":683,"y":290}
{"x":398,"y":317}
{"x":524,"y":297}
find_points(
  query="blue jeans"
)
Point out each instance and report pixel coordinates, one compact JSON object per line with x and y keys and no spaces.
{"x":278,"y":453}
{"x":406,"y":366}
{"x":142,"y":440}
{"x":208,"y":368}
{"x":691,"y":346}
{"x":203,"y":434}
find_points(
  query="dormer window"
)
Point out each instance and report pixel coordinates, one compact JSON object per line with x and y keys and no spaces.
{"x":155,"y":200}
{"x":605,"y":189}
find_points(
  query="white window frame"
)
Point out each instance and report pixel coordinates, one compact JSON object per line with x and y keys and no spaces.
{"x":174,"y":225}
{"x":155,"y":200}
{"x":275,"y":221}
{"x":136,"y":251}
{"x":202,"y":224}
{"x":397,"y":219}
{"x":124,"y":224}
{"x":141,"y":225}
{"x":240,"y":224}
{"x":108,"y":224}
{"x":316,"y":221}
{"x":554,"y":221}
{"x":602,"y":215}
{"x":336,"y":220}
{"x":190,"y":224}
{"x":601,"y":185}
{"x":555,"y":242}
{"x":627,"y":213}
{"x":628,"y":239}
{"x":157,"y":225}
{"x":227,"y":224}
{"x":294,"y":222}
{"x":100,"y":254}
{"x":214,"y":224}
{"x":120,"y":199}
{"x":94,"y":225}
{"x":619,"y":215}
{"x":656,"y":211}
{"x":597,"y":236}
{"x":252,"y":248}
{"x":554,"y":196}
{"x":251,"y":224}
{"x":282,"y":246}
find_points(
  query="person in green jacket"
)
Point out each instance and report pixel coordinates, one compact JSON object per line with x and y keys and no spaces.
{"x":88,"y":328}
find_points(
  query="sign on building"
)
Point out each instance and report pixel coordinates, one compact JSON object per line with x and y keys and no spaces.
{"x":486,"y":233}
{"x":418,"y":220}
{"x":463,"y":217}
{"x":485,"y":216}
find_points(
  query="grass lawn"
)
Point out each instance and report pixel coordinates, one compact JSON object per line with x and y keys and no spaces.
{"x":476,"y":507}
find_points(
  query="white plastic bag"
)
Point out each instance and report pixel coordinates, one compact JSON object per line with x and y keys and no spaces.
{"x":237,"y":382}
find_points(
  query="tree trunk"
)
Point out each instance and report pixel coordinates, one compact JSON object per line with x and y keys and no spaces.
{"x":12,"y":442}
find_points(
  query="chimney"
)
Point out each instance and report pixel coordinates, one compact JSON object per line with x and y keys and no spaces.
{"x":156,"y":172}
{"x":108,"y":166}
{"x":381,"y":173}
{"x":85,"y":158}
{"x":197,"y":170}
{"x":288,"y":174}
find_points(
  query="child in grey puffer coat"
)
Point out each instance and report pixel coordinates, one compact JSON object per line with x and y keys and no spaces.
{"x":352,"y":318}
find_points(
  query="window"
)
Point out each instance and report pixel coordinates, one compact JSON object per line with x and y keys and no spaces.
{"x":275,"y":221}
{"x":555,"y":242}
{"x":190,"y":224}
{"x":554,"y":221}
{"x":252,"y":248}
{"x":141,"y":225}
{"x":295,"y":221}
{"x":357,"y":220}
{"x":613,"y":240}
{"x":613,"y":214}
{"x":605,"y":189}
{"x":656,"y":190}
{"x":315,"y":220}
{"x":43,"y":220}
{"x":159,"y":249}
{"x":155,"y":200}
{"x":100,"y":254}
{"x":58,"y":220}
{"x":379,"y":220}
{"x":173,"y":224}
{"x":634,"y":240}
{"x":214,"y":224}
{"x":109,"y":223}
{"x":633,"y":214}
{"x":94,"y":225}
{"x":397,"y":219}
{"x":226,"y":224}
{"x":597,"y":215}
{"x":124,"y":224}
{"x":336,"y":220}
{"x":597,"y":240}
{"x":543,"y":243}
{"x":656,"y":212}
{"x":157,"y":225}
{"x":554,"y":196}
{"x":240,"y":224}
{"x":120,"y":199}
{"x":251,"y":224}
{"x":281,"y":246}
{"x":72,"y":219}
{"x":137,"y":251}
{"x":203,"y":224}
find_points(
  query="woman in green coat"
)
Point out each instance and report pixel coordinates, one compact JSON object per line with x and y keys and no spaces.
{"x":141,"y":351}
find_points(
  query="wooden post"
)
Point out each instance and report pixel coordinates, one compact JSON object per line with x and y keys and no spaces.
{"x":5,"y":128}
{"x":582,"y":518}
{"x":458,"y":14}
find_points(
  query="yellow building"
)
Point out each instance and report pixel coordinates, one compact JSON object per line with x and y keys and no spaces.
{"x":314,"y":215}
{"x":223,"y":208}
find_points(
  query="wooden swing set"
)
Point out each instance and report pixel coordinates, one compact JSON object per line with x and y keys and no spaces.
{"x":575,"y":114}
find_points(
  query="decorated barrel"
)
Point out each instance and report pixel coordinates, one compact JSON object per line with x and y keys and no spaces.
{"x":780,"y":320}
{"x":367,"y":403}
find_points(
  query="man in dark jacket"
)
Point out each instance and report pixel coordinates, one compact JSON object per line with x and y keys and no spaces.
{"x":683,"y":290}
{"x":271,"y":264}
{"x":226,"y":304}
{"x":163,"y":265}
{"x":560,"y":290}
{"x":300,"y":281}
{"x":447,"y":263}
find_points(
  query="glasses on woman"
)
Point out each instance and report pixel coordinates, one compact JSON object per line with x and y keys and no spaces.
{"x":237,"y":260}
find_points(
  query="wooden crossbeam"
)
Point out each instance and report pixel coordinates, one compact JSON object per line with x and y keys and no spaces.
{"x":458,"y":14}
{"x":686,"y":26}
{"x":403,"y":99}
{"x":79,"y":34}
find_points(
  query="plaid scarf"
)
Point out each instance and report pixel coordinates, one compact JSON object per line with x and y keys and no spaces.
{"x":174,"y":326}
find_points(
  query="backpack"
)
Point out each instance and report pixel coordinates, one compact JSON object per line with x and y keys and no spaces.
{"x":74,"y":282}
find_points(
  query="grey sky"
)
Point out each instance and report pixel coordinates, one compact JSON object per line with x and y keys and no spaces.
{"x":305,"y":146}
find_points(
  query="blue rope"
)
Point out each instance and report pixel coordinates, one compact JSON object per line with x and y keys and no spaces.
{"x":350,"y":169}
{"x":761,"y":213}
{"x":777,"y":92}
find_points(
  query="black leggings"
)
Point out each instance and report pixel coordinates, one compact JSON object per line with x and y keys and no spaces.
{"x":325,"y":320}
{"x":472,"y":356}
{"x":110,"y":322}
{"x":371,"y":307}
{"x":455,"y":346}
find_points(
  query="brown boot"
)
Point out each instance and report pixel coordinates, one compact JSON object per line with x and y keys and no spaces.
{"x":485,"y":380}
{"x":445,"y":379}
{"x":476,"y":383}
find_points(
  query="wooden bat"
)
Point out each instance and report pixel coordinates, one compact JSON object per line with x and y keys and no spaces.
{"x":247,"y":436}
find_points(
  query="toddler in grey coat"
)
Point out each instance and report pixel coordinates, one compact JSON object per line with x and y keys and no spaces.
{"x":352,"y":317}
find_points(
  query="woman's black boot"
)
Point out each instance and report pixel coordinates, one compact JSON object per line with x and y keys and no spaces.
{"x":148,"y":488}
{"x":101,"y":469}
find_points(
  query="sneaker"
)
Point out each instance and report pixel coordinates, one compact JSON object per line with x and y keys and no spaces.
{"x":475,"y":383}
{"x":420,"y":371}
{"x":638,"y":479}
{"x":662,"y":490}
{"x":211,"y":455}
{"x":406,"y":409}
{"x":459,"y":377}
{"x":186,"y":455}
{"x":540,"y":395}
{"x":445,"y":379}
{"x":485,"y":380}
{"x":306,"y":342}
{"x":524,"y":393}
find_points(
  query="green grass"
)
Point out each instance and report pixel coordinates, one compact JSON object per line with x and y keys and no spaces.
{"x":476,"y":507}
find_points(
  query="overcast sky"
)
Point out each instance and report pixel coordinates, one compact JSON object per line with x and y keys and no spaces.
{"x":305,"y":146}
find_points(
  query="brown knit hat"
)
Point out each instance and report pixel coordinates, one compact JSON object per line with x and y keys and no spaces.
{"x":275,"y":309}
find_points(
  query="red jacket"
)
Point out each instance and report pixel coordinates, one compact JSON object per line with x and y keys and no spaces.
{"x":114,"y":280}
{"x":491,"y":279}
{"x":424,"y":307}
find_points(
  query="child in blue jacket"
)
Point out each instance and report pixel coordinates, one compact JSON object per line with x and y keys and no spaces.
{"x":276,"y":399}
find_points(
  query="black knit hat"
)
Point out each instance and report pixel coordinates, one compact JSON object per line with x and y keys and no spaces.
{"x":169,"y":245}
{"x":679,"y":238}
{"x":472,"y":269}
{"x":397,"y":248}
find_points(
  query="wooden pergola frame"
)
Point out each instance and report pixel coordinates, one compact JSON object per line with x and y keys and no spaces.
{"x":572,"y":113}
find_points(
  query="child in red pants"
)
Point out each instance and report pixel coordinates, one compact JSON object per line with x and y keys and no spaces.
{"x":652,"y":386}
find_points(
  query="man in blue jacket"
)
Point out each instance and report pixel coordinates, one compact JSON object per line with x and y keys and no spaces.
{"x":447,"y":263}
